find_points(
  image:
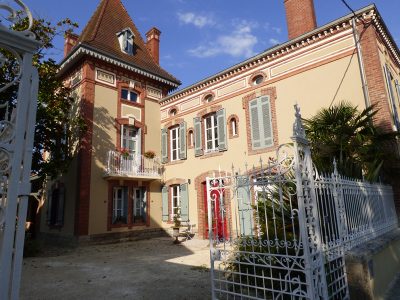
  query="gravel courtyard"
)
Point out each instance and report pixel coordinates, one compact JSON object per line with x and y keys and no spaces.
{"x":147,"y":269}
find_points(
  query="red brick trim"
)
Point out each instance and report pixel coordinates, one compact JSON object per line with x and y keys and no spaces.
{"x":230,"y":129}
{"x":173,"y":123}
{"x":208,"y":110}
{"x":85,"y":153}
{"x":375,"y":77}
{"x":175,"y":181}
{"x":206,"y":94}
{"x":271,"y":91}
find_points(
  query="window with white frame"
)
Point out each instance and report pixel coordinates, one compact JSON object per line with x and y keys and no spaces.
{"x":125,"y":38}
{"x":175,"y":200}
{"x":175,"y":145}
{"x":211,"y":133}
{"x":129,"y":95}
{"x":130,"y":139}
{"x":120,"y":205}
{"x":233,"y":126}
{"x":191,"y":138}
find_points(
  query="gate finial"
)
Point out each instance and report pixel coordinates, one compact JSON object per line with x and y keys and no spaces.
{"x":299,"y":134}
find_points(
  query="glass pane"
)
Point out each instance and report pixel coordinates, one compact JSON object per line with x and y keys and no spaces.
{"x":133,"y":97}
{"x":124,"y":94}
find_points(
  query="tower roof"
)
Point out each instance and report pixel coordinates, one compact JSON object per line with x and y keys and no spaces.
{"x":101,"y":31}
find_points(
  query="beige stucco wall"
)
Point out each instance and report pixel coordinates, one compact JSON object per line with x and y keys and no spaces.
{"x":104,"y":139}
{"x":69,"y":179}
{"x":311,"y":89}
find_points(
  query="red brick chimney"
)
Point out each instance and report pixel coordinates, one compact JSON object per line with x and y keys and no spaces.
{"x":70,"y":41}
{"x":300,"y":17}
{"x":153,"y":43}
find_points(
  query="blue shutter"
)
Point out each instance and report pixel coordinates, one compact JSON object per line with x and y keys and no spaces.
{"x":182,"y":141}
{"x":267,"y":137}
{"x":164,"y":146}
{"x":221,"y":122}
{"x":164,"y":196}
{"x":244,"y":206}
{"x":255,"y":124}
{"x":198,"y":149}
{"x":184,"y":193}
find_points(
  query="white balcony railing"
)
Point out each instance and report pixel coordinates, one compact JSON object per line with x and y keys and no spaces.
{"x":132,"y":165}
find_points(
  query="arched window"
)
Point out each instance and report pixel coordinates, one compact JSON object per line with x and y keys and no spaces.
{"x":173,"y":112}
{"x":234,"y":127}
{"x":208,"y":98}
{"x":190,"y":138}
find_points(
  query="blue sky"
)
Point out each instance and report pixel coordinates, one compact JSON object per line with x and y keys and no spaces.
{"x":202,"y":37}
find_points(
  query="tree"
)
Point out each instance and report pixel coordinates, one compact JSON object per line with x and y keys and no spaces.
{"x":350,"y":136}
{"x":57,"y":127}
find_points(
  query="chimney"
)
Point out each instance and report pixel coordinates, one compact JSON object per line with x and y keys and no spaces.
{"x":71,"y":40}
{"x":300,"y":17}
{"x":153,"y":43}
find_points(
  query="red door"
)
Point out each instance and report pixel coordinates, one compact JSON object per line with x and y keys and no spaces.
{"x":219,"y":219}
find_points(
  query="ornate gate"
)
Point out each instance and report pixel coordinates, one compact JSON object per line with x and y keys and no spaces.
{"x":274,"y":249}
{"x":17,"y":123}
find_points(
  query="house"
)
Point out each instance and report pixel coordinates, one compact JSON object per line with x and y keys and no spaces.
{"x":232,"y":117}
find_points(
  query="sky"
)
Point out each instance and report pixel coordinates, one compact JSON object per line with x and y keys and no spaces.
{"x":202,"y":37}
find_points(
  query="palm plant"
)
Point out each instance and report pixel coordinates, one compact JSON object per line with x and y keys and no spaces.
{"x":350,"y":136}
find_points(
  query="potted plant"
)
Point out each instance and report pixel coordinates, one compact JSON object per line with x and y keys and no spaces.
{"x":177,"y":224}
{"x":124,"y":152}
{"x":149,"y":154}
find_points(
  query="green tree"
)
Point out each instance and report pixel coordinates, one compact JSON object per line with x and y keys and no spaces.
{"x":58,"y":126}
{"x":350,"y":136}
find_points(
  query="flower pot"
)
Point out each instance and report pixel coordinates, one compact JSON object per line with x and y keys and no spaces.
{"x":175,"y":231}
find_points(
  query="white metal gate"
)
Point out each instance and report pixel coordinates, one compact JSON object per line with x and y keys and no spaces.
{"x":17,"y":123}
{"x":272,"y":245}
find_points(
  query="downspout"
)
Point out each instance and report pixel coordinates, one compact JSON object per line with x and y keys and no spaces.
{"x":360,"y":63}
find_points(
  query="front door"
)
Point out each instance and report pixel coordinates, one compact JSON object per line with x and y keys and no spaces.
{"x":218,"y":211}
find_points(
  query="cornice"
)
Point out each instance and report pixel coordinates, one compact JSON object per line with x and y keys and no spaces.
{"x":82,"y":50}
{"x":279,"y":51}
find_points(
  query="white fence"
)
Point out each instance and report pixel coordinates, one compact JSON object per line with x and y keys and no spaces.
{"x":280,"y":230}
{"x":132,"y":165}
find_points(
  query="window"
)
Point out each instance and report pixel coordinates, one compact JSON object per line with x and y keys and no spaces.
{"x":211,"y":133}
{"x":233,"y":127}
{"x":191,"y":139}
{"x":139,"y":205}
{"x":390,"y":86}
{"x":56,"y":206}
{"x":130,"y":139}
{"x":174,"y":142}
{"x":125,"y":39}
{"x":208,"y":98}
{"x":258,"y":79}
{"x":129,"y":95}
{"x":175,"y":200}
{"x":260,"y":123}
{"x":173,"y":112}
{"x":120,"y":205}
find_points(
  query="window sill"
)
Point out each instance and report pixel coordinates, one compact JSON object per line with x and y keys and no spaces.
{"x":175,"y":162}
{"x":211,"y":154}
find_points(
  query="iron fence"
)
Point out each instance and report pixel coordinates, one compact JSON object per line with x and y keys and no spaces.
{"x":281,"y":230}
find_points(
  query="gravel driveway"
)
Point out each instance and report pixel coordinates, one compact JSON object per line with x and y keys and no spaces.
{"x":148,"y":269}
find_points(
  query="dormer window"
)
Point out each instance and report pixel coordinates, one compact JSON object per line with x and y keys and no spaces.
{"x":125,"y":38}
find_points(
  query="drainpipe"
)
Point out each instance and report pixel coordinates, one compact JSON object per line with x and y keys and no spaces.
{"x":360,"y":63}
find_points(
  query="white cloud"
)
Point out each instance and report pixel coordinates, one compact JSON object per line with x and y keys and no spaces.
{"x":239,"y":43}
{"x":274,"y":41}
{"x":195,"y":19}
{"x":277,"y":30}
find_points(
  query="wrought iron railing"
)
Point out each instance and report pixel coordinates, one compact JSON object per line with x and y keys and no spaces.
{"x":353,"y":211}
{"x":132,"y":165}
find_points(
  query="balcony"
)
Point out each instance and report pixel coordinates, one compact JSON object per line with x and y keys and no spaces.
{"x":120,"y":166}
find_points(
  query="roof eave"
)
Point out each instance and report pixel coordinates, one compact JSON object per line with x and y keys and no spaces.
{"x":82,"y":49}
